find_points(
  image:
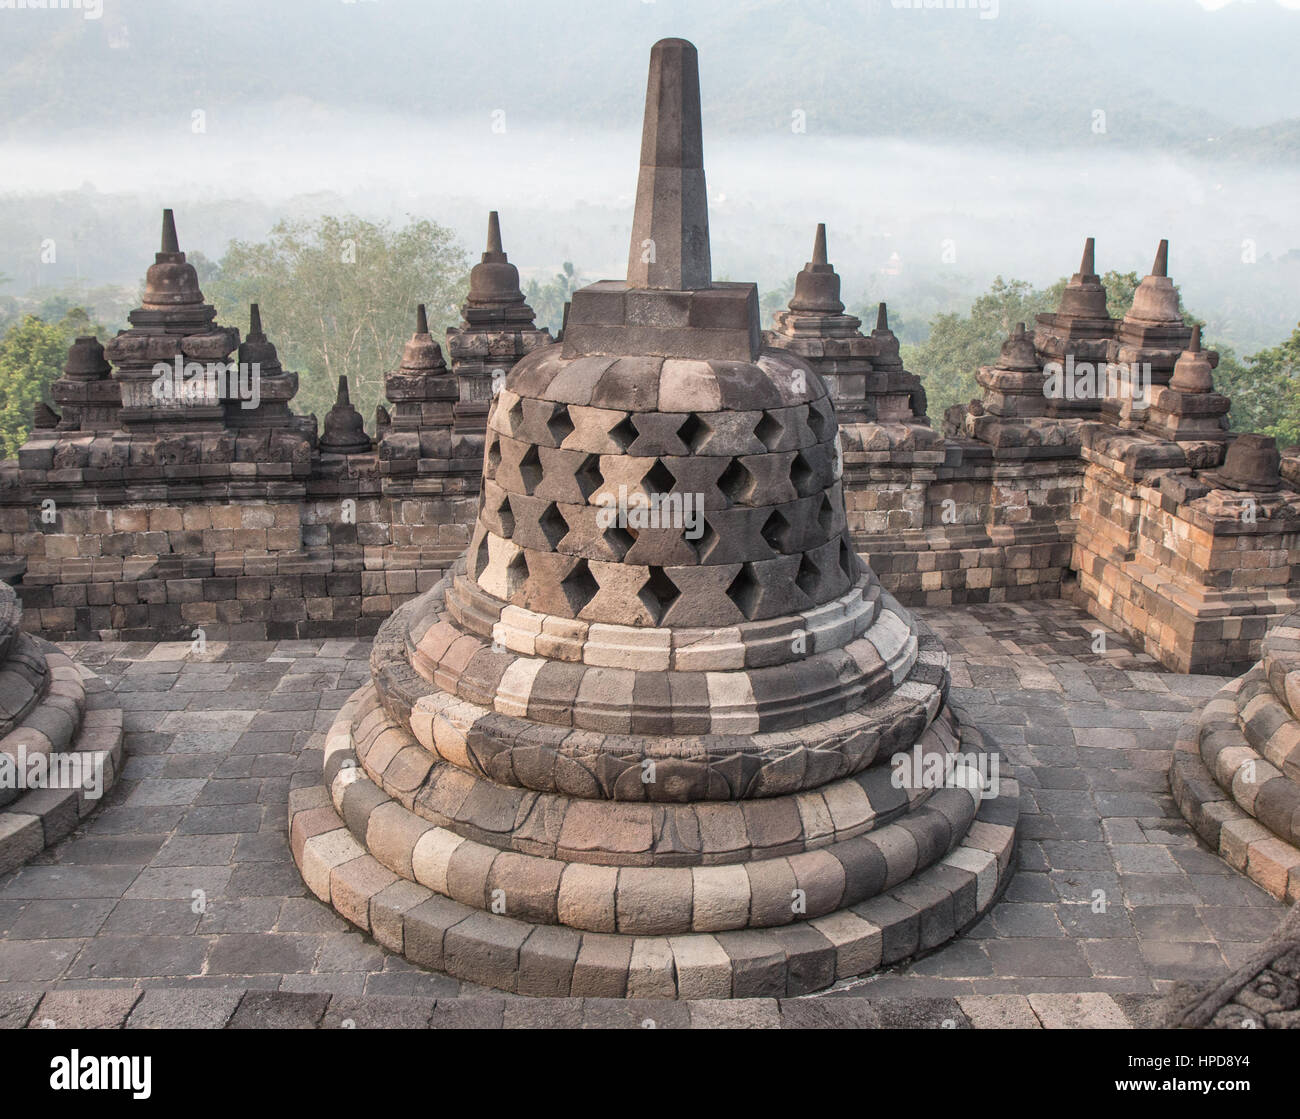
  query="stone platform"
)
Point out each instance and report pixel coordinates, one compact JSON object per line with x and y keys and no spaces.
{"x":216,"y":741}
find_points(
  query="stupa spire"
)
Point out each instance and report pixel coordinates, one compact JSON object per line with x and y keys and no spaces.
{"x":254,"y":320}
{"x":170,"y":243}
{"x":882,"y":317}
{"x":494,"y":237}
{"x":670,"y":230}
{"x":421,"y":320}
{"x":1161,"y":266}
{"x":819,"y":244}
{"x":1088,"y":265}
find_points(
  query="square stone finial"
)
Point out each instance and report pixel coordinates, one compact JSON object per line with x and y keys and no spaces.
{"x":670,"y":231}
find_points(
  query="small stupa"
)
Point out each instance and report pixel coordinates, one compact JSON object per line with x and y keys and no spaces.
{"x":1147,"y":345}
{"x":86,"y":393}
{"x":1080,"y":330}
{"x":344,"y":431}
{"x":865,"y":376}
{"x":497,"y":330}
{"x":173,"y":327}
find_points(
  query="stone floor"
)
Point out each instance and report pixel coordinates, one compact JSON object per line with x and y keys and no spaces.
{"x":184,"y":877}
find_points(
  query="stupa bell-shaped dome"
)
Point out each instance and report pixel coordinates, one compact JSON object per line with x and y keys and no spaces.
{"x":495,"y":298}
{"x":1193,"y":372}
{"x":86,"y":360}
{"x":256,"y":348}
{"x":1156,"y":298}
{"x":1085,"y":296}
{"x":171,"y":281}
{"x":817,"y":286}
{"x":661,"y":394}
{"x":422,"y":354}
{"x":1018,"y":352}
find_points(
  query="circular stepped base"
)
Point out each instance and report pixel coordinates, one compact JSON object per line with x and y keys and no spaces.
{"x":1233,"y":833}
{"x":71,"y":716}
{"x":476,"y":945}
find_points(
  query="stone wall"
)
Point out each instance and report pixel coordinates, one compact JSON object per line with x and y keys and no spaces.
{"x":955,"y":525}
{"x":1194,"y":574}
{"x":245,"y":570}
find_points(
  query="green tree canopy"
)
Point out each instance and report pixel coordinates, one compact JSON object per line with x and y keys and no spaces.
{"x":1265,"y":390}
{"x":338,"y":296}
{"x":548,"y":300}
{"x":32,"y":355}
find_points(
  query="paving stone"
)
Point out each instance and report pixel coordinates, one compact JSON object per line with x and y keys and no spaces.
{"x":377,"y":1013}
{"x":279,"y":1010}
{"x":1085,"y":1011}
{"x":176,"y":1008}
{"x":999,"y":1012}
{"x":16,"y":1009}
{"x":85,"y":1009}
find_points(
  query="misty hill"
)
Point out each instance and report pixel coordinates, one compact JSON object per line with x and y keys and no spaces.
{"x":1033,"y":76}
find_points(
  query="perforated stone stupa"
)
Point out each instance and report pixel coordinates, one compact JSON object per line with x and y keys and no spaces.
{"x":638,"y":742}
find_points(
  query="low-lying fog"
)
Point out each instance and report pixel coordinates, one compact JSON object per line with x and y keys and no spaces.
{"x":902,"y":217}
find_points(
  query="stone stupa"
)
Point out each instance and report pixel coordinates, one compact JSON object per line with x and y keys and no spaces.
{"x":638,"y":742}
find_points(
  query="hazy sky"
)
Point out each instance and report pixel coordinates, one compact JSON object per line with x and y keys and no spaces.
{"x":902,"y":209}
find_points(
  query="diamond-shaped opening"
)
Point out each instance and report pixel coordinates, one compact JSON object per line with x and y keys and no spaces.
{"x":658,"y":479}
{"x":848,"y":560}
{"x":530,"y":470}
{"x":736,"y":482}
{"x":624,"y":433}
{"x":620,"y":540}
{"x":819,"y":420}
{"x":801,"y":475}
{"x":553,"y":525}
{"x":776,"y":531}
{"x":743,"y":590}
{"x":826,"y":515}
{"x":505,"y":516}
{"x":693,"y":432}
{"x":708,"y":540}
{"x":493,"y":459}
{"x":769,"y":430}
{"x":809,"y":575}
{"x":588,"y":476}
{"x":658,"y":594}
{"x":515,"y":416}
{"x":516,"y":574}
{"x":579,"y":586}
{"x":560,"y":425}
{"x":480,"y":558}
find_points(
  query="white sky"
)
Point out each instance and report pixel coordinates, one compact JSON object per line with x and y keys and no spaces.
{"x":1215,"y":5}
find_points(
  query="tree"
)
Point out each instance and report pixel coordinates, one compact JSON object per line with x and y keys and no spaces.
{"x":957,"y":346}
{"x":949,"y":358}
{"x":32,"y":355}
{"x":1265,"y":391}
{"x":548,"y":300}
{"x":338,"y":296}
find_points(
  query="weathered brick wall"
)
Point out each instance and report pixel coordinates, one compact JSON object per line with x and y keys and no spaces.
{"x":957,"y":526}
{"x":245,"y":570}
{"x":1182,"y":573}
